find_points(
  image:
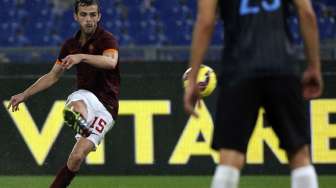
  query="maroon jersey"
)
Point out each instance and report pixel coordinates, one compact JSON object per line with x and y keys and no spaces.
{"x":103,"y":83}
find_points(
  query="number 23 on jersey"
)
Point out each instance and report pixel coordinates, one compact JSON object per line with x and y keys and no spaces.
{"x":246,"y":6}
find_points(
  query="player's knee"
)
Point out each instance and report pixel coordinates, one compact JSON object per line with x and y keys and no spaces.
{"x":78,"y":106}
{"x":299,"y":158}
{"x":232,"y":158}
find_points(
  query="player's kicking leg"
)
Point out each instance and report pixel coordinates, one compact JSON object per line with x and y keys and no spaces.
{"x":83,"y":109}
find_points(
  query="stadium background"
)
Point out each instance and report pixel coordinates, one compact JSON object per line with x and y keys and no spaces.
{"x":152,"y":136}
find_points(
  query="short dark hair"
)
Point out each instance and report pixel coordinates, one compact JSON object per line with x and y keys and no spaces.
{"x":86,"y":3}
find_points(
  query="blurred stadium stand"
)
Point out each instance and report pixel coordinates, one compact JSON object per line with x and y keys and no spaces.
{"x":39,"y":26}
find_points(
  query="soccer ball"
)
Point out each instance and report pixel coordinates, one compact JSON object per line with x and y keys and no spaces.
{"x":206,"y":80}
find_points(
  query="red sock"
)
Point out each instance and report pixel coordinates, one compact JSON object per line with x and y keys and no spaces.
{"x":63,"y":178}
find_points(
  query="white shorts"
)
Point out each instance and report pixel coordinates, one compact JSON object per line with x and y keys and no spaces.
{"x":98,"y":117}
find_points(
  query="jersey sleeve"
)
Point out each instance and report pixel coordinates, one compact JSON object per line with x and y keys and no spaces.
{"x":62,"y":54}
{"x":109,"y":43}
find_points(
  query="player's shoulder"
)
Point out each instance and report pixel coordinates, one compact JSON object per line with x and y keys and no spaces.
{"x":107,"y":35}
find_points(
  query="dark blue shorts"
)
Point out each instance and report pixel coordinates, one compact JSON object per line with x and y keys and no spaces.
{"x":238,"y":105}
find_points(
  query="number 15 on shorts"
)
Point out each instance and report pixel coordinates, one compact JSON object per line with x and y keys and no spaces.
{"x":98,"y":124}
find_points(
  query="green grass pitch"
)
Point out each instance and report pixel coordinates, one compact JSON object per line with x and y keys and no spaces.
{"x":154,"y":182}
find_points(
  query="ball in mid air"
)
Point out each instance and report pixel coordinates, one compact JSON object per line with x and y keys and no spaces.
{"x":206,"y":80}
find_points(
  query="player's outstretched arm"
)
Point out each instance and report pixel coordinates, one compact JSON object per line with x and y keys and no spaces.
{"x":41,"y":84}
{"x":312,"y":79}
{"x":203,"y":29}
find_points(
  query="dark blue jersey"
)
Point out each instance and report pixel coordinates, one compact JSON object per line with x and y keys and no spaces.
{"x":256,"y":37}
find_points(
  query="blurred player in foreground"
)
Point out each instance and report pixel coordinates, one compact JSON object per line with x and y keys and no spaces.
{"x":258,"y":71}
{"x":93,"y":108}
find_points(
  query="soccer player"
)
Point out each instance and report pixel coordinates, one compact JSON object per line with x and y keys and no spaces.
{"x":258,"y":71}
{"x":92,"y":109}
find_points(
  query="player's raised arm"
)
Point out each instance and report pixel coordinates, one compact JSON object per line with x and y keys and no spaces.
{"x":203,"y":29}
{"x":312,"y":80}
{"x":41,"y":84}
